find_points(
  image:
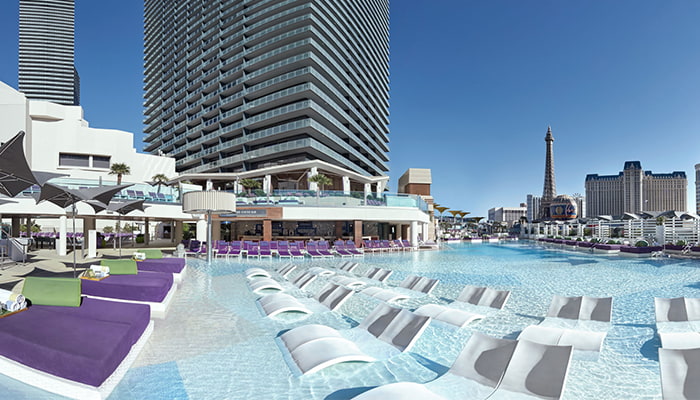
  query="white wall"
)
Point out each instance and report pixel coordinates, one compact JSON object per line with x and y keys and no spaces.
{"x":53,"y":129}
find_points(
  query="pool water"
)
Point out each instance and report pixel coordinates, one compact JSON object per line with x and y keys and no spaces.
{"x":216,"y":344}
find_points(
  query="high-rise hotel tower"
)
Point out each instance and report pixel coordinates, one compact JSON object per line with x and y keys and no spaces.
{"x":46,"y":57}
{"x":237,"y":85}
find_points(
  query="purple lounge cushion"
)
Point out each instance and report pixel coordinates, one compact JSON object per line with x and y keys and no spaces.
{"x":145,"y":286}
{"x":70,"y":342}
{"x":171,"y":265}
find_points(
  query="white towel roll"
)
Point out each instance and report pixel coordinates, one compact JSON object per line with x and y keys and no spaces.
{"x":6,"y":295}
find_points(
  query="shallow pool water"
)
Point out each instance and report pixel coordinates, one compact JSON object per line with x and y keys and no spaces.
{"x":216,"y":344}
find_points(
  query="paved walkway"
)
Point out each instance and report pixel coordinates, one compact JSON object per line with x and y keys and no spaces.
{"x":45,"y":262}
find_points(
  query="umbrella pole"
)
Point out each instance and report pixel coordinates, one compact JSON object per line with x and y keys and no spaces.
{"x":74,"y":262}
{"x":119,"y":229}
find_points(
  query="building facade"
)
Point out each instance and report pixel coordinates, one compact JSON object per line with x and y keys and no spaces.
{"x":697,"y":188}
{"x":238,"y":85}
{"x":533,"y":207}
{"x":634,"y":190}
{"x":509,"y":215}
{"x":46,"y":51}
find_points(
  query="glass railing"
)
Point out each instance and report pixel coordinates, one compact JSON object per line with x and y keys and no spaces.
{"x":329,"y":198}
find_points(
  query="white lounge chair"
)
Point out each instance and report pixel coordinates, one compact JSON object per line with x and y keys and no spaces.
{"x":277,"y":303}
{"x":488,"y":366}
{"x":256,"y":272}
{"x":419,"y":283}
{"x":314,"y":347}
{"x":378,"y":274}
{"x":581,"y":322}
{"x":679,"y":373}
{"x":385,"y":295}
{"x":678,"y":322}
{"x":303,"y":279}
{"x":477,"y":296}
{"x":348,"y":281}
{"x":321,"y":271}
{"x":258,"y":285}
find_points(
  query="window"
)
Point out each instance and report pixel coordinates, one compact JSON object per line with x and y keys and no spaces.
{"x":100,"y":162}
{"x":73,"y":160}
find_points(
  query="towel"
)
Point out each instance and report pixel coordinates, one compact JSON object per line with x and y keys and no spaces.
{"x":138,"y":256}
{"x":100,"y":271}
{"x":13,"y":306}
{"x":7,"y":296}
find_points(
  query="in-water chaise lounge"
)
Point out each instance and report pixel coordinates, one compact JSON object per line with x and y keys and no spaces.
{"x":482,"y":297}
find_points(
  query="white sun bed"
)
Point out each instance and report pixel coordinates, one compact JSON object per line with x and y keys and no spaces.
{"x":488,"y":366}
{"x":678,"y":322}
{"x":331,"y":296}
{"x":347,"y":266}
{"x":303,"y":279}
{"x":385,"y":295}
{"x":321,"y":271}
{"x":314,"y":347}
{"x":378,"y":274}
{"x":257,"y":285}
{"x":679,"y":373}
{"x":477,"y":296}
{"x":419,"y":283}
{"x":158,"y":309}
{"x":581,"y":322}
{"x":256,"y":272}
{"x":347,"y":281}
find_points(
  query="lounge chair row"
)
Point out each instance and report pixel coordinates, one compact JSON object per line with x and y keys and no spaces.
{"x":486,"y":365}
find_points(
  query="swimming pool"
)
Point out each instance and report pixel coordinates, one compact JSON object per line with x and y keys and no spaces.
{"x":216,"y":344}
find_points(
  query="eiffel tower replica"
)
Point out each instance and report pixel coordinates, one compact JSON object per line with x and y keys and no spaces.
{"x":550,"y":187}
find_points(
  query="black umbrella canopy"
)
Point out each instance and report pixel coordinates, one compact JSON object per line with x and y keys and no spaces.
{"x":125,"y":207}
{"x":64,"y":197}
{"x":15,"y":175}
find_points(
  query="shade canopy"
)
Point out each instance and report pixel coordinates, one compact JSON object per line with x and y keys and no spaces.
{"x":125,"y":207}
{"x":65,"y":197}
{"x":15,"y":175}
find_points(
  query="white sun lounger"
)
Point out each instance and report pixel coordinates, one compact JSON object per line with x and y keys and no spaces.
{"x":679,"y":377}
{"x":488,"y":366}
{"x":478,"y":296}
{"x":378,"y":274}
{"x":251,"y":273}
{"x":385,"y":295}
{"x":678,"y":322}
{"x":304,"y":279}
{"x":331,"y":296}
{"x":347,"y":266}
{"x":286,"y":269}
{"x":347,"y":281}
{"x":321,"y":271}
{"x":419,"y":284}
{"x":314,"y":347}
{"x":568,"y":322}
{"x":257,"y":285}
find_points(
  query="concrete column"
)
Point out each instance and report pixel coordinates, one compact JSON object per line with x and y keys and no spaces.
{"x":216,"y":231}
{"x":202,"y":229}
{"x":147,"y":232}
{"x":209,"y":185}
{"x":414,"y":233}
{"x":346,"y":184}
{"x":91,"y":240}
{"x":267,"y":185}
{"x":357,"y":233}
{"x":339,"y":229}
{"x":312,"y":172}
{"x":16,"y":223}
{"x":368,"y":190}
{"x":237,"y":188}
{"x":267,"y":229}
{"x":62,"y":241}
{"x":89,"y":223}
{"x":177,"y":231}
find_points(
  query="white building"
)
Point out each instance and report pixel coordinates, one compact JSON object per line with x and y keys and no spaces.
{"x":509,"y":215}
{"x":533,"y":207}
{"x":59,"y":140}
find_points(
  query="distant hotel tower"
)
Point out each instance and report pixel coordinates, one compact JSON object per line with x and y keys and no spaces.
{"x":239,"y":85}
{"x":550,"y":187}
{"x":634,"y":190}
{"x":46,"y":42}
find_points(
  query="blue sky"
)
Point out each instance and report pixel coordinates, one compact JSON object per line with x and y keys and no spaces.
{"x":474,"y":85}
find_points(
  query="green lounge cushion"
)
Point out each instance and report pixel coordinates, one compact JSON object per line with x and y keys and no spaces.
{"x":152,"y":253}
{"x":52,"y":291}
{"x":121,"y":267}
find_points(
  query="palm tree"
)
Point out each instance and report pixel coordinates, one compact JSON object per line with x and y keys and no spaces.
{"x":159,"y":180}
{"x":119,"y":169}
{"x":249,"y":184}
{"x":321,"y":180}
